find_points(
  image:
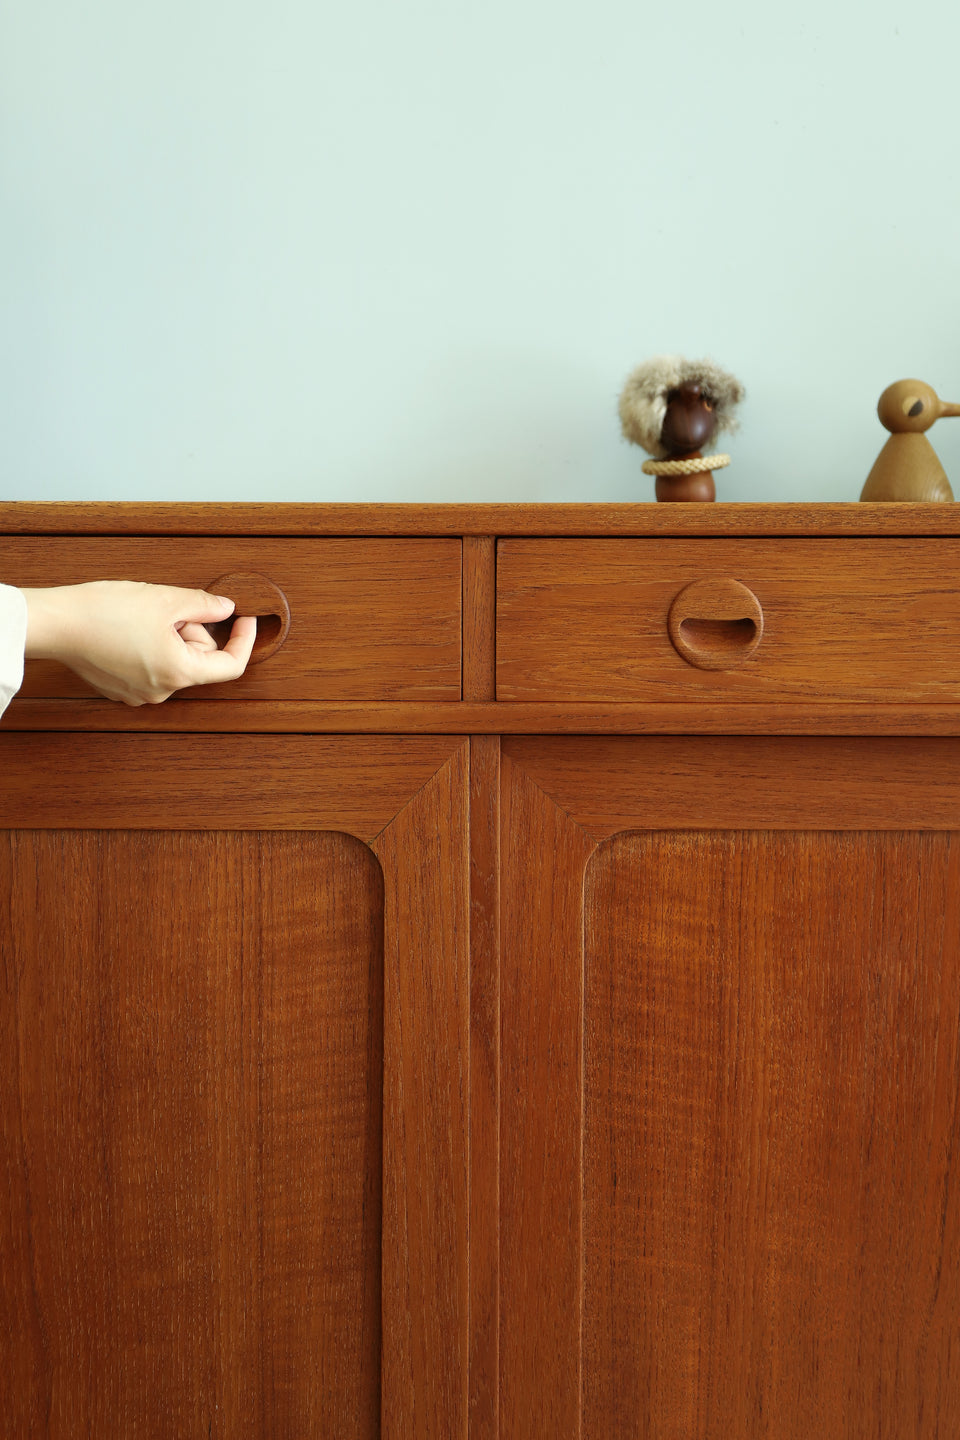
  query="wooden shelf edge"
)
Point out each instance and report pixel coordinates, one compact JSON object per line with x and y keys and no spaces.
{"x":483,"y":718}
{"x":810,"y":519}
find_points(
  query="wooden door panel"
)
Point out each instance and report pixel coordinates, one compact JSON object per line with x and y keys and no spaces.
{"x":208,"y":1037}
{"x":771,"y":1217}
{"x":730,"y":1073}
{"x":192,"y":1125}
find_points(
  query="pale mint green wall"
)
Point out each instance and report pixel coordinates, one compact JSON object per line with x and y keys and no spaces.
{"x":407,"y":251}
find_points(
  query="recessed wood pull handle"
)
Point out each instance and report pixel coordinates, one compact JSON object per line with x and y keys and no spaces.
{"x":715,"y":624}
{"x":253,"y":594}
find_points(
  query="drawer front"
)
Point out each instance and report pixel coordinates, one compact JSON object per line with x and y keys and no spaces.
{"x":835,"y":619}
{"x":370,"y":619}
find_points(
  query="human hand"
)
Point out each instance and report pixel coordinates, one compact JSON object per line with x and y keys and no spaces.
{"x":135,"y":642}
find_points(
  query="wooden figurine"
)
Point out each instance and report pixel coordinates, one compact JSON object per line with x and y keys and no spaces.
{"x":907,"y":467}
{"x":672,"y":408}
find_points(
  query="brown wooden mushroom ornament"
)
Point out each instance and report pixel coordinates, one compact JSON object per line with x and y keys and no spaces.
{"x":907,"y":467}
{"x":672,"y":408}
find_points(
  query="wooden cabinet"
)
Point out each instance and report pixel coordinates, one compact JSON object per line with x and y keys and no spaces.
{"x":573,"y":1054}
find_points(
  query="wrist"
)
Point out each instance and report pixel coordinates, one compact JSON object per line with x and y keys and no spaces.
{"x":48,"y":623}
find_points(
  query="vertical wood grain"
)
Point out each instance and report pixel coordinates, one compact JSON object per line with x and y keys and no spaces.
{"x":190,"y":1119}
{"x":484,"y":1086}
{"x":424,"y":853}
{"x":479,"y":608}
{"x":321,"y":1171}
{"x":772,"y":1120}
{"x":544,"y":854}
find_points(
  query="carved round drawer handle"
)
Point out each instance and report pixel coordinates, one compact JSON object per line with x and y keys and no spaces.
{"x":253,"y":594}
{"x":715,"y":624}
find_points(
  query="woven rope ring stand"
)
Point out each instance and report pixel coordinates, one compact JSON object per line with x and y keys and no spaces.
{"x":685,"y":467}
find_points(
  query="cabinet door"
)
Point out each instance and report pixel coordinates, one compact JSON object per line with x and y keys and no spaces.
{"x":233,"y":1159}
{"x":730,"y":1089}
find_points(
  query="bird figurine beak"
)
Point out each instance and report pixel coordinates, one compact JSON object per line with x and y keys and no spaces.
{"x":946,"y":409}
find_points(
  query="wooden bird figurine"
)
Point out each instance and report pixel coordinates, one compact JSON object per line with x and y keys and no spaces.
{"x":907,"y":467}
{"x":672,"y":408}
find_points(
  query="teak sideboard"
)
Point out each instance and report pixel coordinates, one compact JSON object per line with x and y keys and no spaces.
{"x":527,"y":1004}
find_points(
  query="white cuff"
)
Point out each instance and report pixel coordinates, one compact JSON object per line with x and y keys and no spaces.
{"x":13,"y":639}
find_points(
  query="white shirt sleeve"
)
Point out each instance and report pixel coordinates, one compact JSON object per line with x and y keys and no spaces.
{"x":13,"y":638}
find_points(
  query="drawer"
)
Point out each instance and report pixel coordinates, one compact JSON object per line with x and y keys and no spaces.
{"x":370,"y":619}
{"x":837,"y":619}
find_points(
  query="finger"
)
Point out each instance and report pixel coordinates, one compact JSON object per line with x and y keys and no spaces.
{"x":230,"y":662}
{"x":197,"y":636}
{"x":200,"y":606}
{"x":239,"y":647}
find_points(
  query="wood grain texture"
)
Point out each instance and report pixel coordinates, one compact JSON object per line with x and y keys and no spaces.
{"x":183,"y":782}
{"x":853,"y":619}
{"x":426,"y":1275}
{"x":479,"y":718}
{"x":609,"y":784}
{"x":479,"y":617}
{"x":372,"y":619}
{"x":190,"y":1118}
{"x":415,"y":803}
{"x":832,"y":962}
{"x":544,"y":855}
{"x":484,"y":1087}
{"x":772,"y":1118}
{"x":710,"y":1196}
{"x":182,"y":518}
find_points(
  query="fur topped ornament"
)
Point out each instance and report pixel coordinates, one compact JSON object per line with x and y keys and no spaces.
{"x":672,"y":407}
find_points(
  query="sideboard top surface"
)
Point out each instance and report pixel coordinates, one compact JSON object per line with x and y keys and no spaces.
{"x":644,"y":518}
